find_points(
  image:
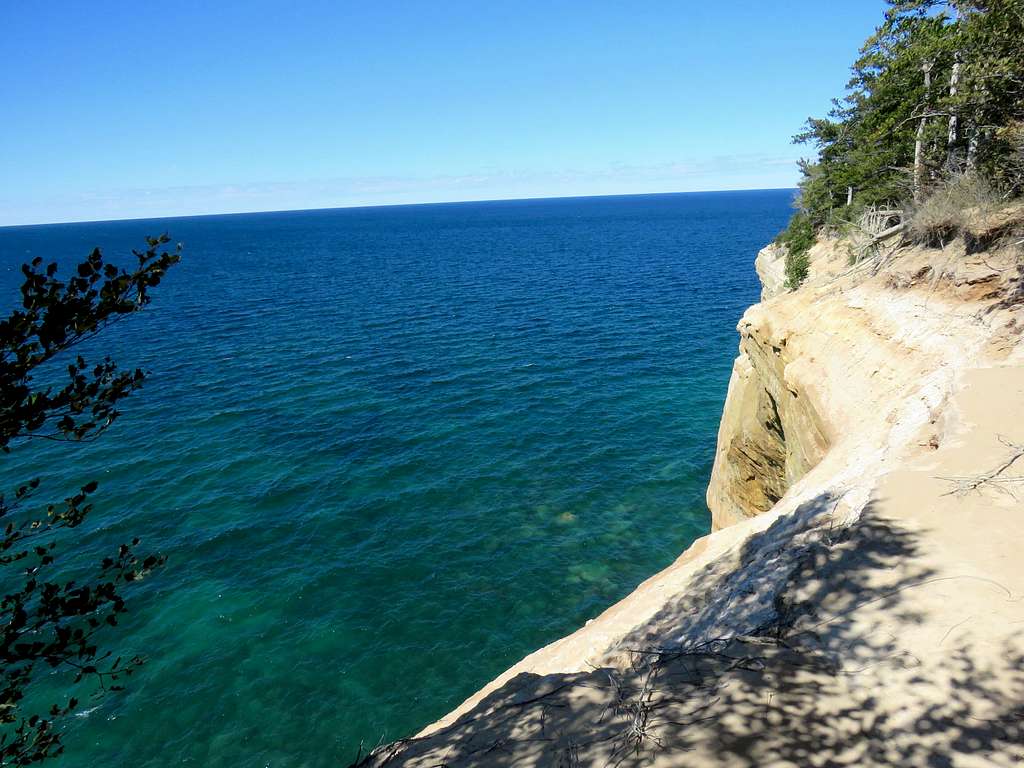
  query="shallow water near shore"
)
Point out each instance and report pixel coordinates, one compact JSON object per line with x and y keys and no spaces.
{"x":390,"y":451}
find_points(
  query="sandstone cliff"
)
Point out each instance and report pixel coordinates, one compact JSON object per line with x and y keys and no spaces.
{"x":861,"y":598}
{"x":851,"y":363}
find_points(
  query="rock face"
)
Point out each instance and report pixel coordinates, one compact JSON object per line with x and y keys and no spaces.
{"x":832,"y":367}
{"x":770,"y":265}
{"x":770,"y":434}
{"x":860,"y":599}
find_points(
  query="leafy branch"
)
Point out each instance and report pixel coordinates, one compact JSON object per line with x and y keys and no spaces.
{"x":48,"y":621}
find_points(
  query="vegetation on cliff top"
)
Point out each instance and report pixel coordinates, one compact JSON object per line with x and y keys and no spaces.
{"x":934,"y":109}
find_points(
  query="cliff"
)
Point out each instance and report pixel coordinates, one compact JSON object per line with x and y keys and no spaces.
{"x":853,"y":362}
{"x":860,"y":599}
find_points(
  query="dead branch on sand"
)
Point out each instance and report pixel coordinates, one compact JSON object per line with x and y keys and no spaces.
{"x":964,"y":484}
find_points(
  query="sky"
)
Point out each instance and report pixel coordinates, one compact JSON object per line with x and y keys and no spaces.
{"x":119,"y":110}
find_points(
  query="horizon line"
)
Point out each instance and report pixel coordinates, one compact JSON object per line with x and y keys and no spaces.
{"x":390,"y":205}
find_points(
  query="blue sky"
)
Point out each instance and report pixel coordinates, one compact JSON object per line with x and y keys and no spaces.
{"x":135,"y":109}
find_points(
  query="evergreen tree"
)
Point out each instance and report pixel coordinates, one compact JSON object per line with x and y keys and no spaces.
{"x":938,"y":89}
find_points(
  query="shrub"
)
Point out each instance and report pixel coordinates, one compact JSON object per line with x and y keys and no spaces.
{"x":1011,"y":172}
{"x":798,"y":237}
{"x":797,"y":265}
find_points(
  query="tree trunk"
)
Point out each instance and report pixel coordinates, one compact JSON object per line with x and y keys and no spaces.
{"x":919,"y":143}
{"x":951,"y":138}
{"x":972,"y":146}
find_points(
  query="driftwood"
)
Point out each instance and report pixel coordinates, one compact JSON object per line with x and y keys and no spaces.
{"x":885,"y":234}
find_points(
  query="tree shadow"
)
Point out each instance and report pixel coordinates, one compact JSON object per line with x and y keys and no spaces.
{"x":787,"y":653}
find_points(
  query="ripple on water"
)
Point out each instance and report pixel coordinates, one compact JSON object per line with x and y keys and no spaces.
{"x":388,"y":452}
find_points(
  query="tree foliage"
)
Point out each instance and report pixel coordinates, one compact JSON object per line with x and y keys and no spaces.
{"x":938,"y":89}
{"x":798,"y":239}
{"x":49,"y":621}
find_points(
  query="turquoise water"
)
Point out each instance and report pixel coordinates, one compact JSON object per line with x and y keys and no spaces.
{"x":388,"y":452}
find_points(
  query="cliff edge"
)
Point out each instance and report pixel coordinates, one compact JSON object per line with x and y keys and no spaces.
{"x":860,"y":599}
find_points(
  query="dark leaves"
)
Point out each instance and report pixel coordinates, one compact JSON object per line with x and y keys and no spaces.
{"x":50,"y":622}
{"x":55,"y":317}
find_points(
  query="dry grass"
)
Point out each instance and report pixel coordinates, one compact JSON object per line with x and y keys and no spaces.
{"x":953,"y":208}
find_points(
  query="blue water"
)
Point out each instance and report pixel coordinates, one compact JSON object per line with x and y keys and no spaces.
{"x":390,"y":451}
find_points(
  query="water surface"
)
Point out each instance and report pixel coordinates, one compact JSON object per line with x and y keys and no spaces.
{"x":388,"y":452}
